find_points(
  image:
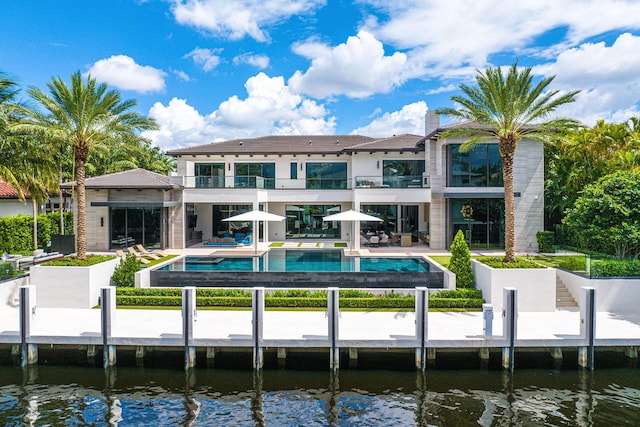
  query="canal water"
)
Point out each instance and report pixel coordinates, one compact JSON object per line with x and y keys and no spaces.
{"x":141,"y":396}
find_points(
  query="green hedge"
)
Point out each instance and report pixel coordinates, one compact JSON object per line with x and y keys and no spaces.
{"x":16,"y":232}
{"x":496,"y":262}
{"x":545,"y":241}
{"x":7,"y":271}
{"x":615,"y":268}
{"x":462,"y":298}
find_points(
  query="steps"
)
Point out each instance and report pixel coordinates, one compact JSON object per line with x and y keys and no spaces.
{"x":564,"y":300}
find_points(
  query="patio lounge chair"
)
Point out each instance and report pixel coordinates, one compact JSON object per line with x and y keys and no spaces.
{"x":363,"y":241}
{"x":384,"y":240}
{"x":138,"y":256}
{"x":374,"y":241}
{"x":145,"y":251}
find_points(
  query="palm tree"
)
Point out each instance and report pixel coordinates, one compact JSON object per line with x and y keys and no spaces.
{"x":507,"y":108}
{"x":84,"y":115}
{"x":9,"y":146}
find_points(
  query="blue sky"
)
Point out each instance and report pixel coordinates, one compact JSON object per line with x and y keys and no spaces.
{"x":211,"y":70}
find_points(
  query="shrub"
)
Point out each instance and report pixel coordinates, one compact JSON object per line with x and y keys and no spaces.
{"x":545,"y":241}
{"x":615,"y":268}
{"x":125,"y":273}
{"x":460,"y":263}
{"x":16,"y":232}
{"x":72,"y":261}
{"x":7,"y":271}
{"x":521,"y":262}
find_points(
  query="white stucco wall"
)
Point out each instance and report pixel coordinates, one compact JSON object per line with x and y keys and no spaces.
{"x":612,"y":295}
{"x":536,"y":286}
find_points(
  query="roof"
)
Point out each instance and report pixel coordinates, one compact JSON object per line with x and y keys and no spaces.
{"x":473,"y":125}
{"x":134,"y":179}
{"x":302,"y":144}
{"x":8,"y":192}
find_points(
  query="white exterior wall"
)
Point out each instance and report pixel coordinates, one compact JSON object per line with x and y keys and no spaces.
{"x":14,"y":208}
{"x":528,"y":174}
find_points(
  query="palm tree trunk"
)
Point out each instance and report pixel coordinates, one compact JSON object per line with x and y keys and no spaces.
{"x":60,"y":200}
{"x":507,"y":151}
{"x":81,"y":156}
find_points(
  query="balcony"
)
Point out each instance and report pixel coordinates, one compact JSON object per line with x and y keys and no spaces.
{"x":404,"y":181}
{"x":259,"y":182}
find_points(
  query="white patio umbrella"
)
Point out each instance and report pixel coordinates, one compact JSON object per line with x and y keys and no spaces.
{"x":255,"y":216}
{"x":351,"y":216}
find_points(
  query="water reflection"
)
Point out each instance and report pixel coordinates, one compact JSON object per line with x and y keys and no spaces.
{"x":128,"y":396}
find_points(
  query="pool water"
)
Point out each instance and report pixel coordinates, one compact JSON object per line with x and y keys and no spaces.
{"x":300,"y":260}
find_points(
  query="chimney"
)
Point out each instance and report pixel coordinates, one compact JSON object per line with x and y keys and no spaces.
{"x":431,"y":122}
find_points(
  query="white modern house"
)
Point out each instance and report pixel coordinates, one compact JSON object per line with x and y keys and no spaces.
{"x":419,"y":185}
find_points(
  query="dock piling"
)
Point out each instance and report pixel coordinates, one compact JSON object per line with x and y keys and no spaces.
{"x":189,"y":315}
{"x":587,"y":327}
{"x":510,"y":326}
{"x":257,"y":309}
{"x":333,"y":312}
{"x":107,"y":319}
{"x":422,"y":310}
{"x":29,"y":352}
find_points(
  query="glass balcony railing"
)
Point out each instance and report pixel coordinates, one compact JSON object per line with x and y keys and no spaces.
{"x":403,"y":181}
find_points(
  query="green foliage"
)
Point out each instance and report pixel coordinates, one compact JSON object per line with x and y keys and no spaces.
{"x":16,"y":232}
{"x":72,"y":261}
{"x":497,"y":262}
{"x":606,"y":217}
{"x":125,"y":273}
{"x":294,"y":298}
{"x":460,"y":263}
{"x":7,"y":271}
{"x":545,"y":241}
{"x":615,"y":268}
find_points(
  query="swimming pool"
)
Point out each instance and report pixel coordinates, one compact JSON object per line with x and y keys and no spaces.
{"x":300,"y":260}
{"x":299,"y":268}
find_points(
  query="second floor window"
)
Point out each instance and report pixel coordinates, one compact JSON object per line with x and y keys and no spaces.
{"x":255,"y":175}
{"x":402,"y":173}
{"x":327,"y":175}
{"x":209,"y":175}
{"x":479,"y":167}
{"x":294,"y":170}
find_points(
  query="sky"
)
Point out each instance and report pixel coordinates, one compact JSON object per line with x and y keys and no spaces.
{"x":212,"y":70}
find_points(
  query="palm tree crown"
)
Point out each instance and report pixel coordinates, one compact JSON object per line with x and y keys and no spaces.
{"x":507,"y":108}
{"x":85,"y":115}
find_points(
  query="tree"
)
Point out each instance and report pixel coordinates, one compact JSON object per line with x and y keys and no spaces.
{"x":460,"y":263}
{"x":84,"y":115}
{"x":606,"y":217}
{"x":507,"y":108}
{"x":8,"y":145}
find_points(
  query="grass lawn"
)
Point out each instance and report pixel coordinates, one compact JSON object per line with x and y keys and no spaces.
{"x":158,"y":261}
{"x":443,"y":260}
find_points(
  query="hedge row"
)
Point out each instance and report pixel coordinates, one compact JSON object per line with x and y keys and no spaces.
{"x":615,"y":268}
{"x":16,"y":232}
{"x":293,"y":302}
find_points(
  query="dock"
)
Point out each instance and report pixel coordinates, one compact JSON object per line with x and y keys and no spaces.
{"x":28,"y":326}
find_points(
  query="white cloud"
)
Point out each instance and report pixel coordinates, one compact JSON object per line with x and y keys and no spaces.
{"x":122,"y":72}
{"x":206,"y":58}
{"x":181,"y":75}
{"x":410,"y":119}
{"x":608,"y":76}
{"x":258,"y":61}
{"x":239,"y":18}
{"x":447,"y":34}
{"x":269,"y":108}
{"x":357,"y":68}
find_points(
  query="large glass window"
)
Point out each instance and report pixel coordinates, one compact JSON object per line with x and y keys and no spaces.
{"x":255,"y":175}
{"x":209,"y":175}
{"x":132,"y":226}
{"x":402,"y":173}
{"x":230,"y":229}
{"x":388,"y":214}
{"x":481,"y":220}
{"x":293,"y":169}
{"x":305,"y":222}
{"x":326,"y":175}
{"x":479,"y":167}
